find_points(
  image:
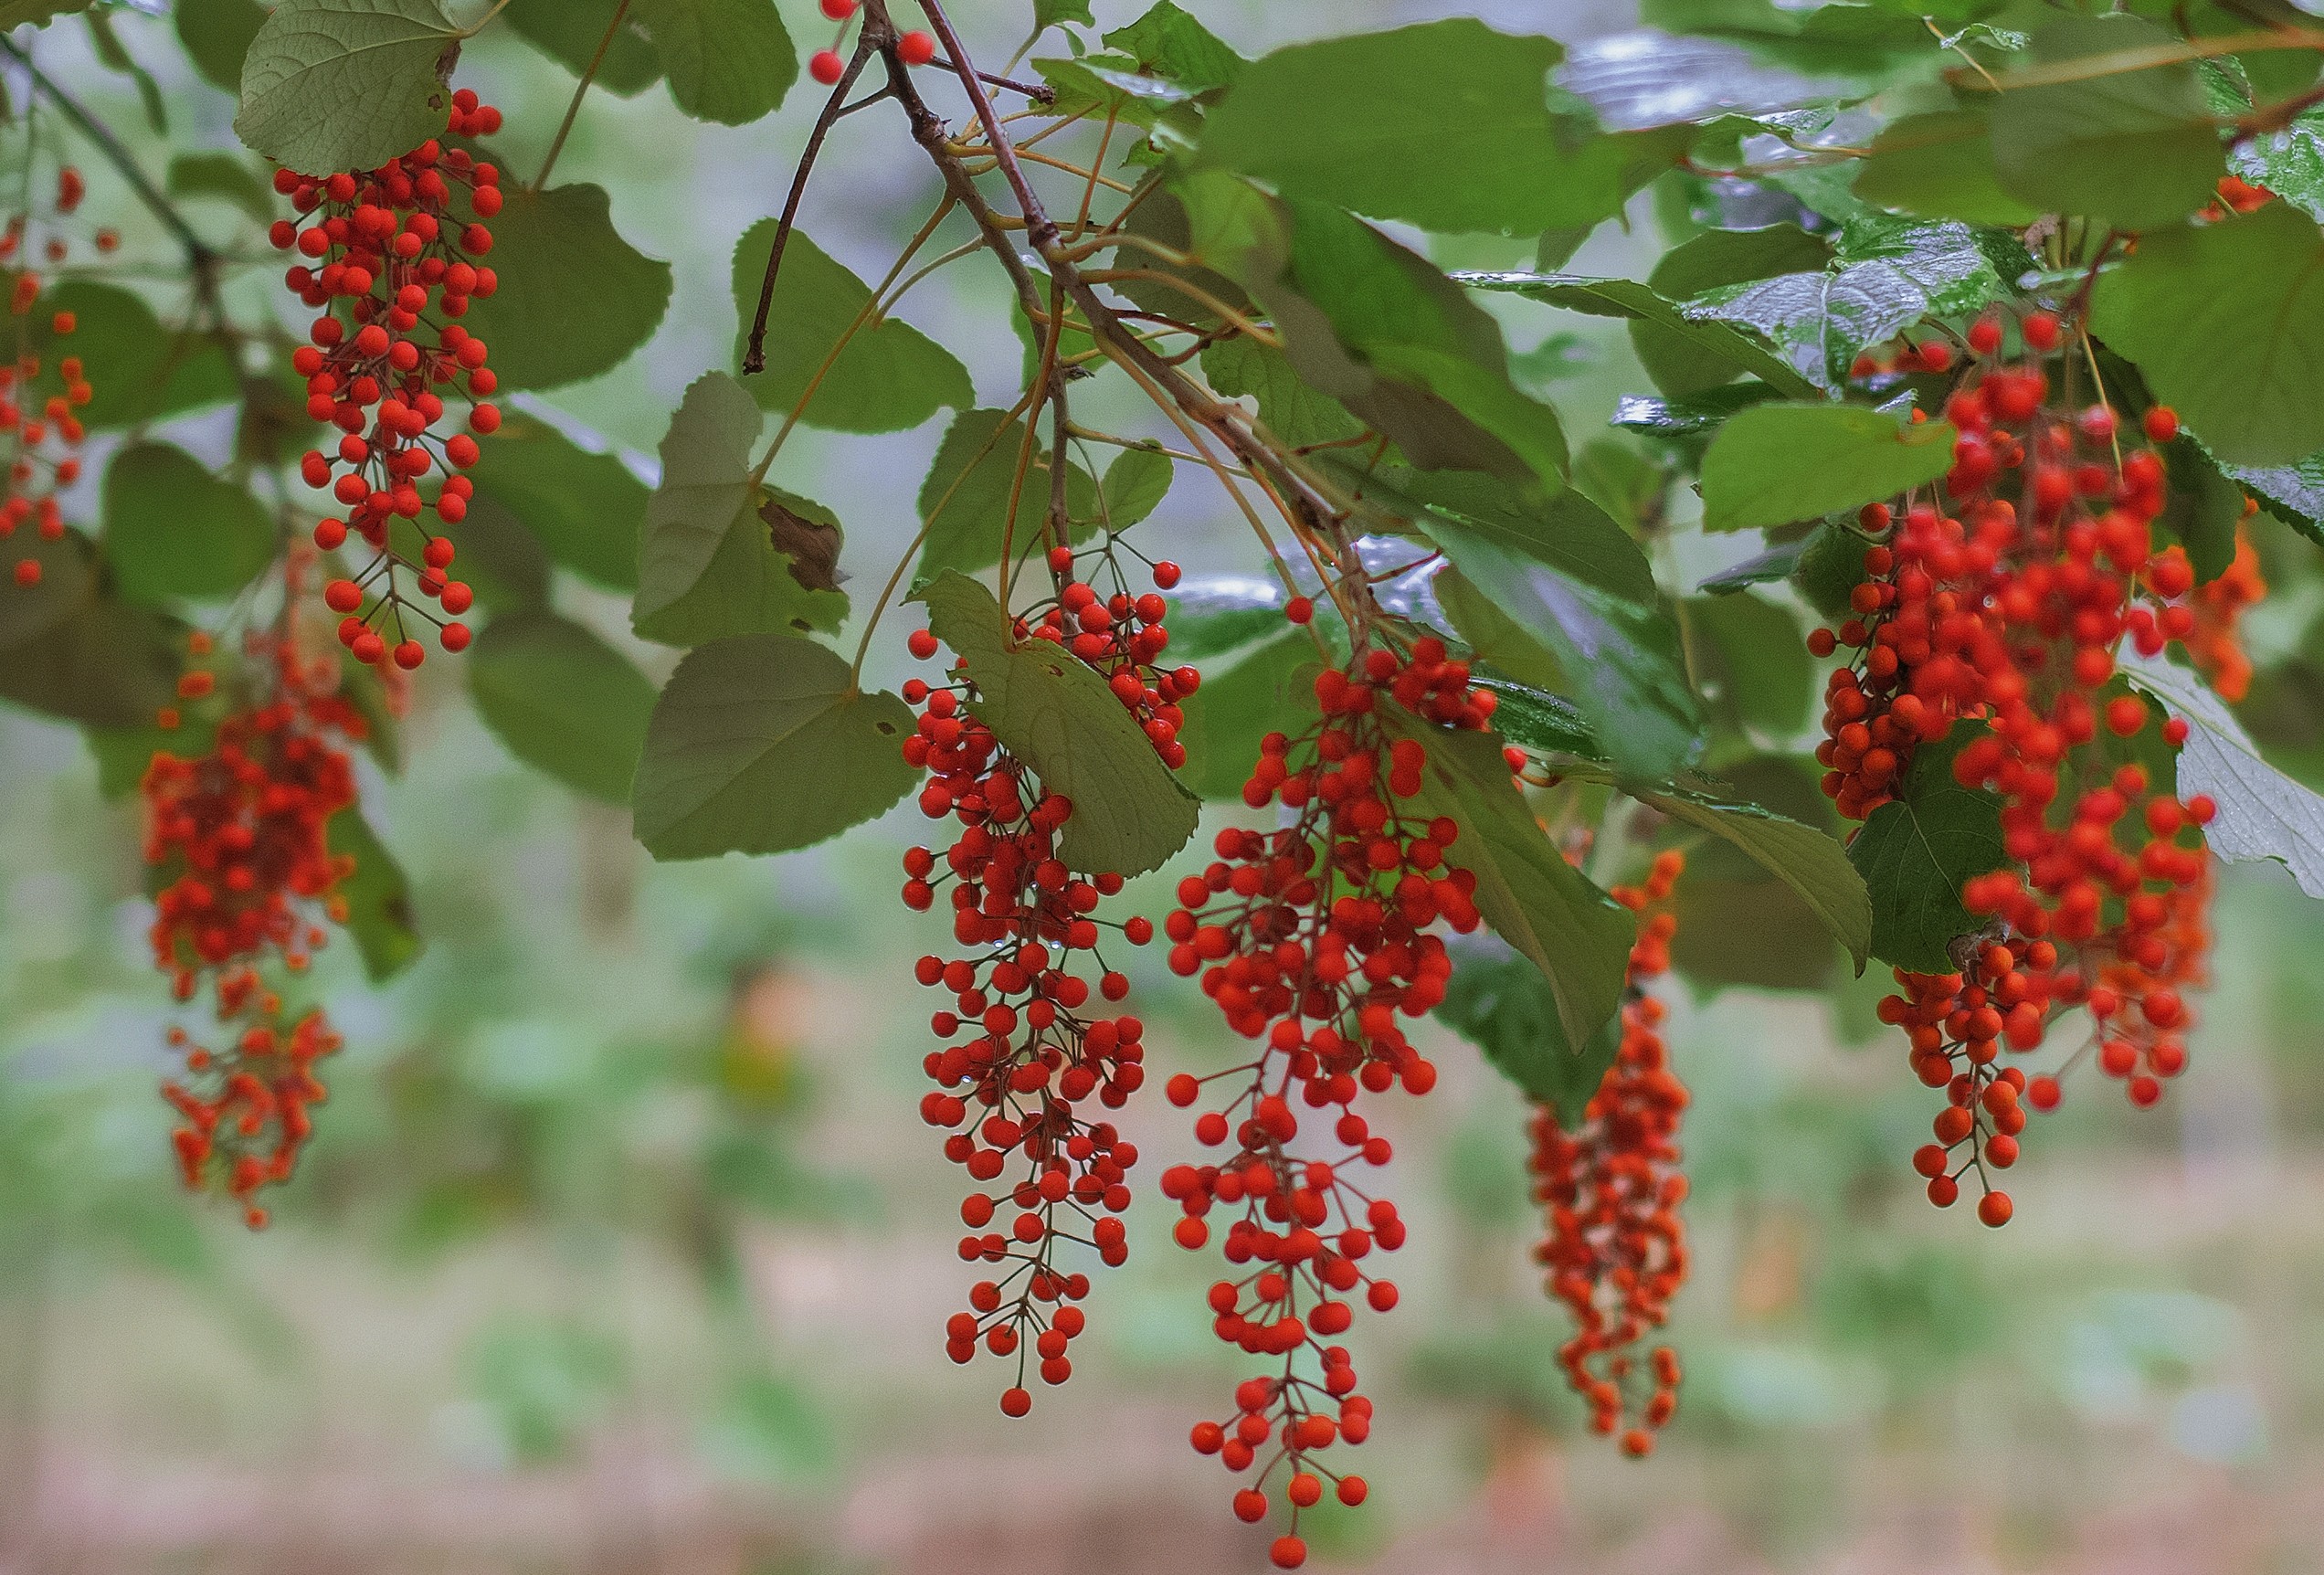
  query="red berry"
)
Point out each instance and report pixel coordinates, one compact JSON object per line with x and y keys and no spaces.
{"x":827,"y":66}
{"x":915,"y":48}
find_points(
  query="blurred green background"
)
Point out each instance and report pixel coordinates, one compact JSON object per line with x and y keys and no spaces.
{"x":621,"y":1246}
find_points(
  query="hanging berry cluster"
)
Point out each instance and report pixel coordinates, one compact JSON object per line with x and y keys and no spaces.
{"x":237,"y":844}
{"x":1615,"y":1252}
{"x":39,"y":394}
{"x":1996,"y":606}
{"x":1035,"y":1054}
{"x":390,"y":267}
{"x":1315,"y":941}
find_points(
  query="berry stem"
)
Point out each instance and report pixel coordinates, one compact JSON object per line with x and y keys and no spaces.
{"x":580,"y":92}
{"x":866,"y":42}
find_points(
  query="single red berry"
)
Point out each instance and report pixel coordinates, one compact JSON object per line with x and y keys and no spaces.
{"x":825,"y":65}
{"x":2162,"y":424}
{"x":1299,"y":610}
{"x":915,"y":48}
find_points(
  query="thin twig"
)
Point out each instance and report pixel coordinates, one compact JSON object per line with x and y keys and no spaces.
{"x":580,"y":92}
{"x":1040,"y":92}
{"x":867,"y":44}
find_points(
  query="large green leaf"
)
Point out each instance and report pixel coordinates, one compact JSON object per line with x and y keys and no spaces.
{"x":1371,"y":123}
{"x":1380,"y":329}
{"x":564,"y":701}
{"x":575,"y":299}
{"x":1578,"y":936}
{"x":138,"y":371}
{"x":1680,"y":364}
{"x":585,"y":509}
{"x":1748,"y":661}
{"x":1773,"y":464}
{"x":1167,"y":42}
{"x":378,"y":899}
{"x":727,"y":60}
{"x":1915,"y":851}
{"x":216,"y":34}
{"x":1501,"y":1003}
{"x":1565,"y":576}
{"x":1056,"y":714}
{"x":1705,"y":340}
{"x":1804,"y":859}
{"x":891,"y":375}
{"x":2263,"y":815}
{"x":710,"y":564}
{"x":963,"y":499}
{"x":762,"y":743}
{"x":2290,"y":163}
{"x":2225,"y":323}
{"x":2133,"y":149}
{"x":1941,"y":165}
{"x":333,"y":85}
{"x":1293,"y":412}
{"x":570,"y":32}
{"x":85,"y":654}
{"x":1740,"y":925}
{"x":172,"y":529}
{"x":1269,"y":689}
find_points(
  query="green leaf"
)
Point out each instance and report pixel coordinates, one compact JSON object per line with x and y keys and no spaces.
{"x":1366,"y":122}
{"x":761,"y":744}
{"x":1379,"y":328}
{"x":1048,"y":14}
{"x":1851,"y":40}
{"x":730,"y":61}
{"x":1055,"y":713}
{"x":1773,"y":464}
{"x":1749,"y":662}
{"x":172,"y":529}
{"x":2204,"y":508}
{"x":1568,"y":578}
{"x":1916,"y":850}
{"x":562,"y":700}
{"x":1941,"y":165}
{"x":570,"y":32}
{"x":1739,"y":923}
{"x":139,"y":371}
{"x":587,"y":509}
{"x":86,"y":655}
{"x":1134,"y":486}
{"x":575,"y":299}
{"x":1166,"y":42}
{"x":1673,"y":357}
{"x":68,"y":575}
{"x":122,"y":754}
{"x":964,"y":499}
{"x":2263,"y":815}
{"x":216,"y":34}
{"x":1714,"y":352}
{"x":2289,"y":163}
{"x":334,"y":85}
{"x":225,"y":177}
{"x":1294,"y":413}
{"x":710,"y":564}
{"x":1575,"y":934}
{"x":1538,"y":721}
{"x":2224,"y":321}
{"x":14,"y":13}
{"x":378,"y":898}
{"x":1500,"y":1002}
{"x":2134,"y":148}
{"x":890,"y":377}
{"x":500,"y":560}
{"x":1804,"y":859}
{"x":1264,"y":691}
{"x":2293,"y":494}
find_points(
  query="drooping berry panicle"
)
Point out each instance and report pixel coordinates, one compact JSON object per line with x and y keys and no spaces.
{"x":1615,"y":1249}
{"x":1990,"y":620}
{"x":40,"y":435}
{"x":390,"y":264}
{"x":1026,"y":1049}
{"x":1315,"y":940}
{"x":1120,"y":634}
{"x":238,"y":843}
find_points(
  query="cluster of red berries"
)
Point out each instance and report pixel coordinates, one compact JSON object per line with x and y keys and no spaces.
{"x":238,"y":841}
{"x":827,"y":66}
{"x":1313,"y":941}
{"x":2214,"y":642}
{"x":37,"y":397}
{"x":252,"y":1119}
{"x":1121,"y":637}
{"x":388,"y":265}
{"x":1998,"y":603}
{"x":1615,"y":1250}
{"x":1016,"y":1086}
